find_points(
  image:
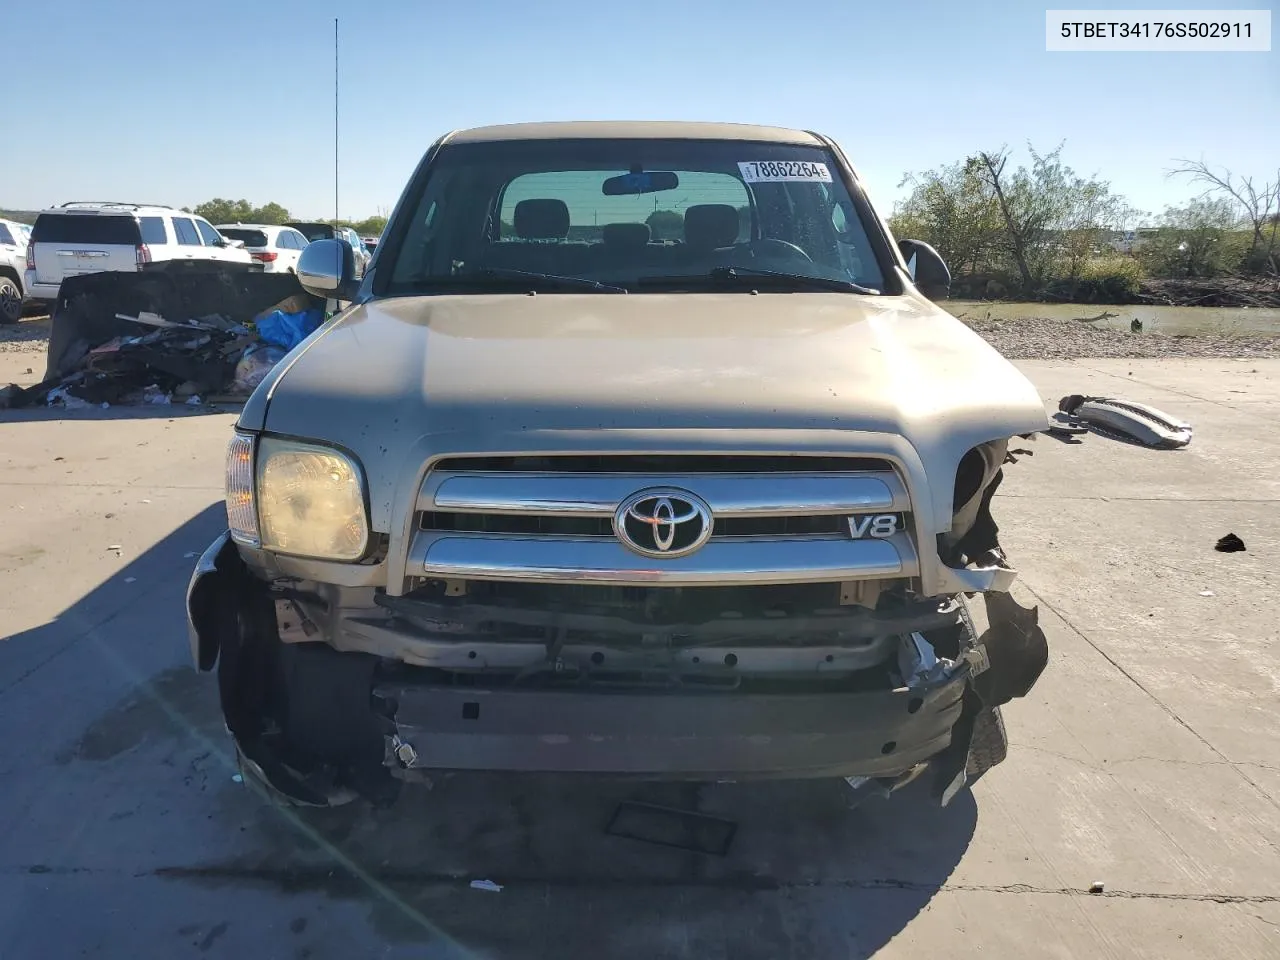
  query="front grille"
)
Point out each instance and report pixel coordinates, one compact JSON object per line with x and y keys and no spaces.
{"x":775,"y":519}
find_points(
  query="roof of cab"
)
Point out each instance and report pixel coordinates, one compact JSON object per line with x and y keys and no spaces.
{"x":632,"y":130}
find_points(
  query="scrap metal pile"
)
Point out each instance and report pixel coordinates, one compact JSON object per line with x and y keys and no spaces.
{"x":199,"y":336}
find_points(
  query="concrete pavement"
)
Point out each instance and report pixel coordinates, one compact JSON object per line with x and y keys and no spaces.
{"x":1146,"y":757}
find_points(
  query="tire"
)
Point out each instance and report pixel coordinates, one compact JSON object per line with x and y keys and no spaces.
{"x":10,"y":300}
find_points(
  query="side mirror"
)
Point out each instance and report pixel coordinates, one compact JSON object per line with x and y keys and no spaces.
{"x":327,"y":269}
{"x":928,"y":270}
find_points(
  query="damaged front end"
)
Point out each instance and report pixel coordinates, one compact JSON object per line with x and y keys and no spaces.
{"x":338,"y":690}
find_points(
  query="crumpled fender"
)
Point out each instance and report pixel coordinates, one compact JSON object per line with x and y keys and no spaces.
{"x":1128,"y":421}
{"x":212,"y":611}
{"x":1016,"y":649}
{"x":1016,"y":652}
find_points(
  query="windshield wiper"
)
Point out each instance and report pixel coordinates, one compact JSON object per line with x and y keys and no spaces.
{"x":504,"y":273}
{"x":750,"y":277}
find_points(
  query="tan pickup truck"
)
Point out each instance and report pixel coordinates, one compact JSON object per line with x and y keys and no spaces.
{"x":641,"y":450}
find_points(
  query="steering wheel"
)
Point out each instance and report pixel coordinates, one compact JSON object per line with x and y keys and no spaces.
{"x":782,"y":248}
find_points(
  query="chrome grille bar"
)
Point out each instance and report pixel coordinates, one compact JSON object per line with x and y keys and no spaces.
{"x":605,"y":560}
{"x":728,"y":494}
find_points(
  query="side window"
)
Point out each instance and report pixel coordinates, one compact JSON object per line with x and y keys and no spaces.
{"x":153,"y":231}
{"x":188,"y":236}
{"x":299,"y":240}
{"x":6,"y":236}
{"x":210,"y":236}
{"x":283,"y":241}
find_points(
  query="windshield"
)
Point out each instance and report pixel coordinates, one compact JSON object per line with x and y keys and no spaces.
{"x":645,"y":215}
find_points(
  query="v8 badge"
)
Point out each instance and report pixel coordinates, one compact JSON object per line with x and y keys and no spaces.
{"x":876,"y":525}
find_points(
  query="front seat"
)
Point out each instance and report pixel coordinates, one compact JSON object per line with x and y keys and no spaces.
{"x":541,"y":219}
{"x":710,"y":227}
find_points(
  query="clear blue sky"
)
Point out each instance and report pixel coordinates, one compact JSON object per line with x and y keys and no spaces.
{"x":176,"y":102}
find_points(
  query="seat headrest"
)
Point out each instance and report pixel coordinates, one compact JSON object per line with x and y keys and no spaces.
{"x":625,"y":236}
{"x":711,"y":225}
{"x":541,"y":219}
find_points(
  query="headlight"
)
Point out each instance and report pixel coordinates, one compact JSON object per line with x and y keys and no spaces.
{"x":310,"y":501}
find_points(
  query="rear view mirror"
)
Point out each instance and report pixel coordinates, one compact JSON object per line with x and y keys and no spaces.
{"x":927,"y":268}
{"x":629,"y":183}
{"x":327,"y":269}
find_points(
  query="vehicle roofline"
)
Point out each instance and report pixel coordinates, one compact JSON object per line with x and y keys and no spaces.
{"x":632,"y":130}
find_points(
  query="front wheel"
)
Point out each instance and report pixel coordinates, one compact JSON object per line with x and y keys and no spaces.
{"x":10,"y":301}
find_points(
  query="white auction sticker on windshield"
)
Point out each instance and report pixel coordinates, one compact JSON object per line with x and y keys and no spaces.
{"x":772,"y":171}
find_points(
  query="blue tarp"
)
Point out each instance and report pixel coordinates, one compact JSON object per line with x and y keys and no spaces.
{"x":289,"y":329}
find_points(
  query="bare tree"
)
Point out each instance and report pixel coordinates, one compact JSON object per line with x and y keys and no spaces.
{"x":1054,"y":220}
{"x":1259,"y":204}
{"x":990,"y":167}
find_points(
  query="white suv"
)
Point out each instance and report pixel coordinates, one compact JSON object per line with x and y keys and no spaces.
{"x":80,"y":238}
{"x":13,"y":252}
{"x":276,"y":248}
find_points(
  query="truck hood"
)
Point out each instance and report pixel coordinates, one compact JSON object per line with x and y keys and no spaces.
{"x":392,"y":379}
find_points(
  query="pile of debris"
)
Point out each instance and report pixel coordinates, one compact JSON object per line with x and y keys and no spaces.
{"x":1260,"y":292}
{"x":177,"y":353}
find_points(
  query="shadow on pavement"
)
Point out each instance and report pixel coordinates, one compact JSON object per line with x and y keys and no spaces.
{"x":116,"y":411}
{"x":139,"y":788}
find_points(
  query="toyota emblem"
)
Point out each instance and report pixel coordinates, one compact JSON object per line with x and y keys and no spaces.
{"x":663,"y":522}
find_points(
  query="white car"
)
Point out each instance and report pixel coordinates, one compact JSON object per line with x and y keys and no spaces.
{"x":78,"y":238}
{"x":13,"y":254}
{"x":276,"y":248}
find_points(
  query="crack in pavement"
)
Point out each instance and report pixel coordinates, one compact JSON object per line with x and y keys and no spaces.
{"x":319,"y":879}
{"x":1160,"y":703}
{"x":1199,"y":763}
{"x":1173,"y":390}
{"x":1101,"y":762}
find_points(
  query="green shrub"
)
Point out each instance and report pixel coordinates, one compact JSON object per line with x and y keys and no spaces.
{"x":1100,"y":280}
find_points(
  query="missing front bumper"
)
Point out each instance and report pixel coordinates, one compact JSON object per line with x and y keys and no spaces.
{"x":307,"y":712}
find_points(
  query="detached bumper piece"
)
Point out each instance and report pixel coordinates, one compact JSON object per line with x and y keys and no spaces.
{"x":1127,"y":421}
